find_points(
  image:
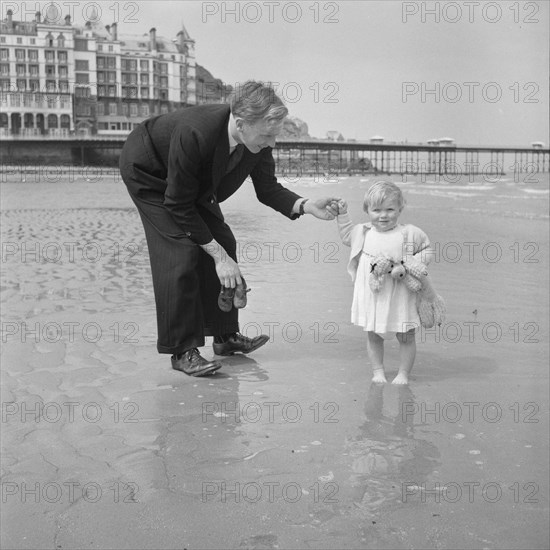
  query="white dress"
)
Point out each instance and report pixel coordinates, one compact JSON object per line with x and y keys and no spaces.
{"x":393,"y":308}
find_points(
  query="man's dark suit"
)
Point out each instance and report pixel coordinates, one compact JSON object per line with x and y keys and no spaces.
{"x":174,"y":166}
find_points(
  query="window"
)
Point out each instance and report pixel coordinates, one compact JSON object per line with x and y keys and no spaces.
{"x":144,"y":93}
{"x":101,"y":90}
{"x":112,"y":91}
{"x":61,"y":41}
{"x":129,"y":92}
{"x":144,"y":109}
{"x":100,"y":48}
{"x":110,"y":48}
{"x":100,"y":109}
{"x":81,"y":65}
{"x":112,"y":109}
{"x":63,"y":71}
{"x":19,"y":40}
{"x":4,"y":54}
{"x":21,"y":84}
{"x":50,"y":70}
{"x":83,"y":110}
{"x":129,"y":65}
{"x":20,"y":55}
{"x":125,"y":109}
{"x":163,"y":109}
{"x":33,"y":41}
{"x":20,"y":70}
{"x":50,"y":56}
{"x":62,"y":57}
{"x":52,"y":121}
{"x":100,"y":62}
{"x":64,"y":86}
{"x":102,"y":126}
{"x":163,"y":68}
{"x":4,"y":69}
{"x":34,"y":85}
{"x":33,"y":55}
{"x":50,"y":85}
{"x":111,"y":76}
{"x":4,"y":84}
{"x":133,"y":109}
{"x":80,"y":45}
{"x":144,"y":79}
{"x":83,"y":78}
{"x":144,"y":64}
{"x":82,"y":92}
{"x":33,"y":70}
{"x":111,"y":62}
{"x":164,"y":82}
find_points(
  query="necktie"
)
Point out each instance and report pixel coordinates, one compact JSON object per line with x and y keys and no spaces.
{"x":235,"y":158}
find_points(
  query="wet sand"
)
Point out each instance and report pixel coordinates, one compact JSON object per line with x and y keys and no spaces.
{"x":104,"y":446}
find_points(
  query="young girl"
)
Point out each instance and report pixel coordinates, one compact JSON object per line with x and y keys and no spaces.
{"x":382,"y":304}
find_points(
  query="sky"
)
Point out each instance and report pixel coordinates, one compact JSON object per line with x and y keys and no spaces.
{"x":476,"y":71}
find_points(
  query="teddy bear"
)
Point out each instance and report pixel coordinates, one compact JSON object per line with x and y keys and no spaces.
{"x":430,"y":305}
{"x":379,"y":267}
{"x":414,"y":274}
{"x":409,"y":270}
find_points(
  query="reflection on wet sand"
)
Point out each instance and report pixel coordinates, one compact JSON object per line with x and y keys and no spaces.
{"x":385,"y":454}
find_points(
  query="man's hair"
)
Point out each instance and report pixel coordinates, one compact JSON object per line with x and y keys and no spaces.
{"x":380,"y":191}
{"x":254,"y":101}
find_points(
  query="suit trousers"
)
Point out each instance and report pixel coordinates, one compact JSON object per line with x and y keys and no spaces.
{"x":185,"y":282}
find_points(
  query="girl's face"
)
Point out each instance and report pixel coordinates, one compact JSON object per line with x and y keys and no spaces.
{"x":384,"y":216}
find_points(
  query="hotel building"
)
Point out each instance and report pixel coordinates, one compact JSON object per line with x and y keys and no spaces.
{"x":58,"y":79}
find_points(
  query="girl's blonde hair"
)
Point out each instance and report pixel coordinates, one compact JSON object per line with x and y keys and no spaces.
{"x":380,"y":191}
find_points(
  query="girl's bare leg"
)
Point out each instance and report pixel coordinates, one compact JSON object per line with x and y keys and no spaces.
{"x":375,"y":349}
{"x":407,"y":354}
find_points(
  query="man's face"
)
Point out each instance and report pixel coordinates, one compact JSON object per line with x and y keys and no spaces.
{"x":258,"y":135}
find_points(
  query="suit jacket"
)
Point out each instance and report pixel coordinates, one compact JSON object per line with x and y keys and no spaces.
{"x":188,"y":153}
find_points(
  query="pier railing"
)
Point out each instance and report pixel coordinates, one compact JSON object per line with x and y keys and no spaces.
{"x":309,"y":158}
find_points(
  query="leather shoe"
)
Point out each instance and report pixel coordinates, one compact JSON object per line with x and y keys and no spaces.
{"x":193,"y":363}
{"x":238,"y":343}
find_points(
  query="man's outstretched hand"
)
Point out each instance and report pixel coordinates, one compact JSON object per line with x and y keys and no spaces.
{"x":325,"y":208}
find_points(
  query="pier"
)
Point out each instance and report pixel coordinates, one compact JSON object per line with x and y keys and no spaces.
{"x":306,"y":158}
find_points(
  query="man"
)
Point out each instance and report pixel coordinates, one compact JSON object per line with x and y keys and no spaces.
{"x":178,"y":167}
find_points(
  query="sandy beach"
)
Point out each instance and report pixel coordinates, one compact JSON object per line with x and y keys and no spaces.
{"x":105,"y":446}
